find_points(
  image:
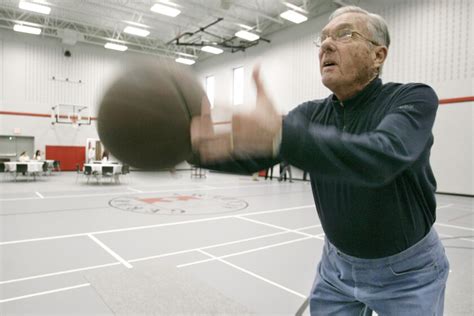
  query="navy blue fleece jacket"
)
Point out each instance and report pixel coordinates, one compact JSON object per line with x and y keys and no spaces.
{"x":368,"y":158}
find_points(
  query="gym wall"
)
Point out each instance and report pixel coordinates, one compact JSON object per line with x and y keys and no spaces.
{"x":430,"y":44}
{"x":27,"y":66}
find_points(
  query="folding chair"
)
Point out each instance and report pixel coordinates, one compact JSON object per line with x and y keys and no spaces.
{"x":87,"y":172}
{"x":21,"y":168}
{"x":2,"y":168}
{"x":108,"y":172}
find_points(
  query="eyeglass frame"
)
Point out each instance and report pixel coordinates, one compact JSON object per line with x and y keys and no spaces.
{"x":319,"y":42}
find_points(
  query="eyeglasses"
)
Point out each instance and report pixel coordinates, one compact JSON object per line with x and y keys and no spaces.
{"x":342,"y":36}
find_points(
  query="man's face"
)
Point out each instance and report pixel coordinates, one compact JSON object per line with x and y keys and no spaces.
{"x":346,"y":66}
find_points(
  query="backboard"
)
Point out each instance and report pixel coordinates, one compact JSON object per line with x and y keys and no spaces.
{"x":75,"y":115}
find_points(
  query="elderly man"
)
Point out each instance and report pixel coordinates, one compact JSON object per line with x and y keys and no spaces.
{"x":367,"y":149}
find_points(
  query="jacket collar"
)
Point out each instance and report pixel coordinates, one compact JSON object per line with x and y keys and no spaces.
{"x":361,"y":97}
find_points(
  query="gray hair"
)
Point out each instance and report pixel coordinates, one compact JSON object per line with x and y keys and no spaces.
{"x":375,"y":24}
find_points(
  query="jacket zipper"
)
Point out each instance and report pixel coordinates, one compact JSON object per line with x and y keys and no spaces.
{"x":343,"y":117}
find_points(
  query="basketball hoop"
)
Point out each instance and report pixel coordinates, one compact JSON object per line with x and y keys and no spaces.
{"x":73,"y":118}
{"x":75,"y":115}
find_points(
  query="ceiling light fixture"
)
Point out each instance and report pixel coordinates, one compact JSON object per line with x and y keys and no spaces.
{"x":186,"y":55}
{"x":135,"y":23}
{"x":136,"y":31}
{"x":293,"y":16}
{"x":38,"y":8}
{"x":26,"y":29}
{"x":165,"y":10}
{"x":212,"y":50}
{"x":114,"y":46}
{"x":247,"y":36}
{"x":185,"y":61}
{"x":245,"y":26}
{"x":295,"y":7}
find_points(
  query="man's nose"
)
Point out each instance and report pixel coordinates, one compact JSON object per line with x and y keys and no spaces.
{"x":327,"y":45}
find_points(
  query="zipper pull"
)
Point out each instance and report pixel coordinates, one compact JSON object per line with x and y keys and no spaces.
{"x":343,"y":117}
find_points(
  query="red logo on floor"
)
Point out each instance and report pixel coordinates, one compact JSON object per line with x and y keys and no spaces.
{"x":179,"y":204}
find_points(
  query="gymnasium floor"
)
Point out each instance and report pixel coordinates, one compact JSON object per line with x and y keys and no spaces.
{"x":166,"y":244}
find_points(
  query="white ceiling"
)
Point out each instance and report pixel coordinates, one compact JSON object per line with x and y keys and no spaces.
{"x":99,"y":21}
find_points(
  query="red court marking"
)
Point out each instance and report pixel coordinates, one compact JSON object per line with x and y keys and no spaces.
{"x":442,"y":101}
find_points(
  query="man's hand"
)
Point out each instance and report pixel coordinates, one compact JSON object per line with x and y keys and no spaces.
{"x":257,"y":133}
{"x":209,"y":145}
{"x":254,"y":134}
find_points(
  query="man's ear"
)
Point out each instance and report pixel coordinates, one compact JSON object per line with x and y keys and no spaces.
{"x":379,"y":54}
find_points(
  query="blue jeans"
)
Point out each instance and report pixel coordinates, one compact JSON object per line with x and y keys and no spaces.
{"x":411,"y":282}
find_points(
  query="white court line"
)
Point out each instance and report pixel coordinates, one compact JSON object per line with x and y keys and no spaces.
{"x":207,"y":186}
{"x":44,"y":293}
{"x":256,"y":275}
{"x":110,"y":251}
{"x":454,"y":237}
{"x":215,"y":245}
{"x":206,"y":247}
{"x":274,"y":226}
{"x":152,"y":226}
{"x":40,"y":195}
{"x":146,"y":258}
{"x":134,"y":190}
{"x":146,"y":192}
{"x":59,"y":273}
{"x":244,"y":251}
{"x":454,"y":226}
{"x":249,"y":239}
{"x":444,"y":206}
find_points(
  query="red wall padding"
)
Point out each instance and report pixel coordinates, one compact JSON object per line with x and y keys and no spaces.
{"x":68,"y":156}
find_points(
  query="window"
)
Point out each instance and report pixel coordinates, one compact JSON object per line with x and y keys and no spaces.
{"x":210,"y":89}
{"x":238,"y":92}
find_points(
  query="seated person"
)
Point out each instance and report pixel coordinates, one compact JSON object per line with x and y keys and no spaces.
{"x":105,"y":156}
{"x":24,"y":157}
{"x":37,"y":155}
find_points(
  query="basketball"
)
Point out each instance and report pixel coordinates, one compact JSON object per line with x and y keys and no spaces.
{"x":144,"y":117}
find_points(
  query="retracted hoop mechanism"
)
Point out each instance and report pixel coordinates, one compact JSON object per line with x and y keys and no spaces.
{"x":74,"y":115}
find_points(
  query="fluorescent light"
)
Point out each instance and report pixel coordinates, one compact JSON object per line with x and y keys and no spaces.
{"x":187,"y":55}
{"x":293,"y":16}
{"x":164,"y":9}
{"x":245,"y":26}
{"x":135,"y":23}
{"x":26,"y":29}
{"x":184,"y":61}
{"x":212,"y":50}
{"x":118,"y":47}
{"x":294,"y":7}
{"x":34,"y":7}
{"x":247,"y":36}
{"x":136,"y":31}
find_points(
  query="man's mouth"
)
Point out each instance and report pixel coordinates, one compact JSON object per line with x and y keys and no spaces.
{"x":328,"y":64}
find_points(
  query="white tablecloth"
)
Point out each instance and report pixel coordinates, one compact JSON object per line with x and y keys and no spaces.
{"x":97,"y":167}
{"x":33,"y":166}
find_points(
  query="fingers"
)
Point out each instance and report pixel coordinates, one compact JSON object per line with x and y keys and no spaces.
{"x":196,"y":134}
{"x":256,"y":73}
{"x":256,"y":78}
{"x":262,"y":96}
{"x":218,"y":148}
{"x":205,"y":107}
{"x":201,"y":126}
{"x":210,"y":146}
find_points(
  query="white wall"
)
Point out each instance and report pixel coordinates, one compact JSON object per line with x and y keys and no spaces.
{"x":27,"y":65}
{"x":431,"y":43}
